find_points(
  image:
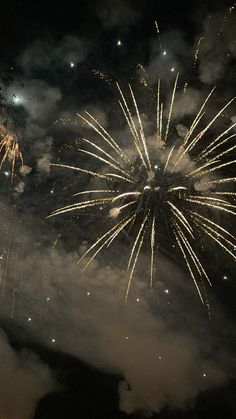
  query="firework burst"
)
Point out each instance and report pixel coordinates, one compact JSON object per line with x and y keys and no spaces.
{"x":9,"y":149}
{"x":171,"y":188}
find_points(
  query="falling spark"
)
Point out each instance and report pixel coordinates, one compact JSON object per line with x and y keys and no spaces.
{"x":197,"y":51}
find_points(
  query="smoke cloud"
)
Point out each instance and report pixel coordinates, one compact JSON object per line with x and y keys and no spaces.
{"x":24,"y":380}
{"x":48,"y":53}
{"x":161,"y":359}
{"x":116,"y":14}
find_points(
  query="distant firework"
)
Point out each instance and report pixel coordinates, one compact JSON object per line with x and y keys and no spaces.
{"x":9,"y":149}
{"x":171,"y":187}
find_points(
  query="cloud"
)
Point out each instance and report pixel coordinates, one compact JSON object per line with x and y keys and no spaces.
{"x":161,"y":358}
{"x":168,"y":56}
{"x":218,"y":47}
{"x":187,"y":104}
{"x":20,"y":187}
{"x":182,"y":131}
{"x":41,"y":100}
{"x":49,"y":53}
{"x":43,"y":164}
{"x":24,"y":379}
{"x":25,"y":170}
{"x":119,"y":13}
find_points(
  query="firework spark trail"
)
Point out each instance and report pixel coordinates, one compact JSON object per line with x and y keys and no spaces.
{"x":200,"y":135}
{"x":66,"y":166}
{"x":195,"y":140}
{"x":94,"y":191}
{"x":141,"y":238}
{"x":108,"y":240}
{"x":114,"y":235}
{"x":80,"y":205}
{"x":126,"y":194}
{"x":181,"y":218}
{"x":104,"y":135}
{"x":188,"y":264}
{"x":171,"y":107}
{"x":196,"y":214}
{"x":7,"y":260}
{"x":177,"y":188}
{"x":206,"y":229}
{"x":212,"y":145}
{"x":132,"y":127}
{"x":168,"y":159}
{"x":222,"y":193}
{"x":208,"y":204}
{"x":135,"y":139}
{"x":136,"y":241}
{"x":109,"y":232}
{"x":212,"y":169}
{"x":143,"y":140}
{"x":197,"y":51}
{"x":219,"y":201}
{"x":158,"y":34}
{"x":107,"y":176}
{"x":220,"y":181}
{"x":198,"y":117}
{"x":150,"y":196}
{"x":158,"y":110}
{"x":214,"y":160}
{"x":10,"y":149}
{"x":56,"y":241}
{"x":114,"y":212}
{"x":120,"y":152}
{"x":221,"y":237}
{"x":196,"y":260}
{"x":112,"y":165}
{"x":200,"y":270}
{"x":102,"y":151}
{"x":152,"y":245}
{"x":144,"y":81}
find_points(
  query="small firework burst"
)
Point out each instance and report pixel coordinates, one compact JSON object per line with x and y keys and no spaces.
{"x":9,"y":149}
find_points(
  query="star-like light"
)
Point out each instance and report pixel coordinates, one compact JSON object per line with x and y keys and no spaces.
{"x":119,"y":43}
{"x":18,"y":100}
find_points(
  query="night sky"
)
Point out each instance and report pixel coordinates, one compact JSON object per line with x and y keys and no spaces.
{"x":70,"y":346}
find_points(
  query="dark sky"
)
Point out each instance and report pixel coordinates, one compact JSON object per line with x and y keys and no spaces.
{"x":70,"y":347}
